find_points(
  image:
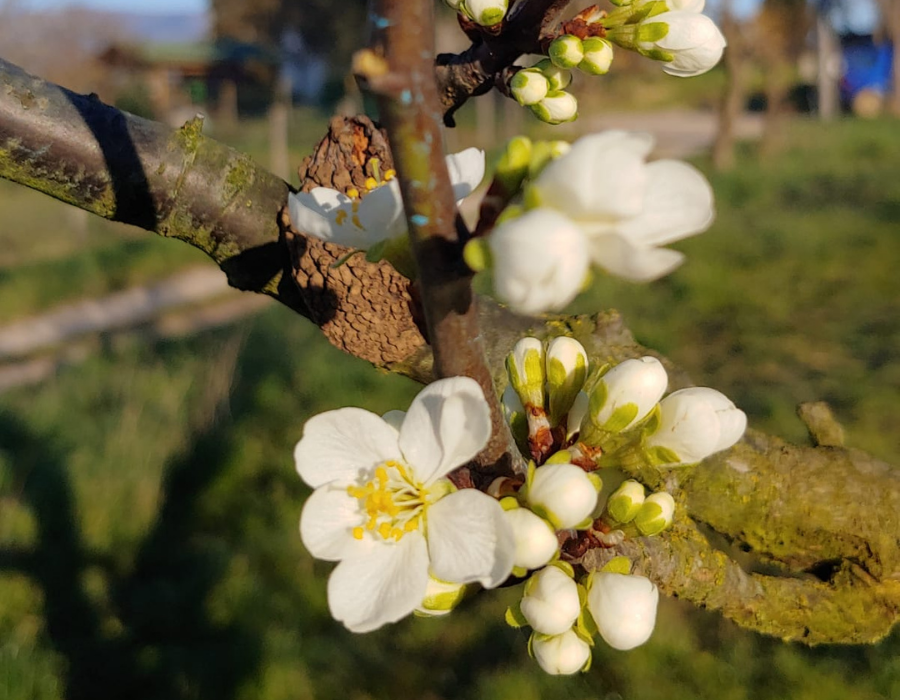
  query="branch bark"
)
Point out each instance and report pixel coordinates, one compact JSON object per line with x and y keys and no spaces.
{"x":828,"y":518}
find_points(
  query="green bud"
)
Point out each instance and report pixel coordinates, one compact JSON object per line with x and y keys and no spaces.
{"x":512,"y":167}
{"x":559,"y":78}
{"x":529,"y":87}
{"x":598,"y":55}
{"x":656,"y":514}
{"x":525,"y":367}
{"x":477,"y":254}
{"x":625,"y":502}
{"x":566,"y":51}
{"x":617,"y":565}
{"x":566,"y":365}
{"x":556,"y":108}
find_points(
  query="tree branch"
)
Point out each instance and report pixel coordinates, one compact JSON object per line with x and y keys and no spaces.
{"x":828,"y":516}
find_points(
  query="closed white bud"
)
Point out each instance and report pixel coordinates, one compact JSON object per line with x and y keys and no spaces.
{"x":693,"y":424}
{"x":441,"y":597}
{"x":688,"y":42}
{"x":540,"y":261}
{"x":623,"y":608}
{"x":656,"y":514}
{"x":566,"y":51}
{"x":556,"y":108}
{"x":567,"y":365}
{"x":598,"y":56}
{"x":625,"y":502}
{"x":561,"y":654}
{"x":559,"y":78}
{"x":627,"y":393}
{"x":528,"y":87}
{"x":564,"y":494}
{"x":536,"y":542}
{"x":525,"y":367}
{"x":487,"y":13}
{"x":551,"y":604}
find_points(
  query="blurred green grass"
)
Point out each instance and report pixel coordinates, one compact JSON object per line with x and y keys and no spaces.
{"x":149,"y":507}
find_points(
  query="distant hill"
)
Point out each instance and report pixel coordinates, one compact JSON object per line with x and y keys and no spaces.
{"x":167,"y":28}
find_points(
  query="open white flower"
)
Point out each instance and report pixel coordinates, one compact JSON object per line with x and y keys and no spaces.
{"x":383,"y":509}
{"x":690,"y":43}
{"x":693,"y":424}
{"x":627,"y":207}
{"x":348,"y":220}
{"x":623,"y":607}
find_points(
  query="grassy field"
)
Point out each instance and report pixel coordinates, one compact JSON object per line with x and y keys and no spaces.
{"x":149,"y":507}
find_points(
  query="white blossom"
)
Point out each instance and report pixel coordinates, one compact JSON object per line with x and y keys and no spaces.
{"x":693,"y":424}
{"x":627,"y":393}
{"x":540,"y":261}
{"x":623,"y":607}
{"x":383,"y":509}
{"x":690,"y":43}
{"x":560,"y":654}
{"x":626,"y":207}
{"x":563,"y":493}
{"x":551,"y":604}
{"x":359,"y":221}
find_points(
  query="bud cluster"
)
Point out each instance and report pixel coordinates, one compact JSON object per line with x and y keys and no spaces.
{"x":674,"y":32}
{"x":487,"y":13}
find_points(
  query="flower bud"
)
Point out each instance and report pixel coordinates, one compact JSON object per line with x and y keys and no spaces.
{"x":656,"y":514}
{"x":551,"y":604}
{"x":514,"y":163}
{"x":540,"y":261}
{"x":515,"y":415}
{"x":623,"y":608}
{"x":529,"y":87}
{"x":556,"y":108}
{"x":545,"y":152}
{"x":441,"y":597}
{"x":559,"y":78}
{"x":525,"y":367}
{"x":563,"y":494}
{"x":560,"y":654}
{"x":536,"y":542}
{"x":487,"y":13}
{"x":567,"y":365}
{"x":688,"y":42}
{"x":598,"y":56}
{"x":626,"y":501}
{"x":453,"y":4}
{"x":693,"y":424}
{"x":576,"y":414}
{"x":566,"y":51}
{"x":627,"y":393}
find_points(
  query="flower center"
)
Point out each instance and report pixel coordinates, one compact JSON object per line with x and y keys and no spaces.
{"x":392,"y":500}
{"x":372,"y":183}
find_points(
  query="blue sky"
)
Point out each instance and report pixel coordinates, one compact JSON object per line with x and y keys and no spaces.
{"x":862,"y":16}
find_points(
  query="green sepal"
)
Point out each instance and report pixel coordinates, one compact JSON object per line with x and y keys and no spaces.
{"x":649,"y":520}
{"x":512,"y":166}
{"x":513,"y":211}
{"x":659,"y":456}
{"x":617,"y":565}
{"x":519,"y":571}
{"x":509,"y":503}
{"x":595,"y":479}
{"x":650,"y":424}
{"x":477,"y":255}
{"x":529,"y":476}
{"x":597,"y":400}
{"x":621,"y":418}
{"x":561,"y":457}
{"x":622,"y":509}
{"x":584,"y":524}
{"x":531,"y":644}
{"x":658,"y":55}
{"x":514,"y":617}
{"x":565,"y":567}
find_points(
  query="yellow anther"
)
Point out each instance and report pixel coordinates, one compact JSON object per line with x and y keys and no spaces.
{"x":353,"y":193}
{"x":382,"y":475}
{"x":385,"y":530}
{"x":411,"y":525}
{"x":358,"y":533}
{"x":397,"y":533}
{"x":371,"y":183}
{"x":370,"y":525}
{"x":390,"y":175}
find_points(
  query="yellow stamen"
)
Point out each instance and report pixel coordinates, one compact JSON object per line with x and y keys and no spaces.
{"x":371,"y":184}
{"x":390,"y":175}
{"x":353,"y":193}
{"x":358,"y":533}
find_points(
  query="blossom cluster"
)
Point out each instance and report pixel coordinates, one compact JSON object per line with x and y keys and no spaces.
{"x":407,"y":540}
{"x":594,"y":203}
{"x":674,"y":32}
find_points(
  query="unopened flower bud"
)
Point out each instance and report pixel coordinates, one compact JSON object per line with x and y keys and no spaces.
{"x":598,"y":56}
{"x":560,"y":654}
{"x":529,"y":87}
{"x":689,"y":43}
{"x":514,"y":163}
{"x":551,"y":604}
{"x":487,"y":13}
{"x":536,"y":542}
{"x":559,"y":78}
{"x":576,"y":414}
{"x":544,"y":152}
{"x":567,"y":365}
{"x":566,"y":51}
{"x":525,"y":367}
{"x":453,"y":4}
{"x":623,"y":608}
{"x":626,"y":501}
{"x":655,"y":514}
{"x":556,"y":108}
{"x":564,"y":494}
{"x":693,"y":424}
{"x":627,"y":393}
{"x":441,"y":597}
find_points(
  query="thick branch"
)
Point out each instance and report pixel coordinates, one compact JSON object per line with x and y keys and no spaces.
{"x":827,"y":510}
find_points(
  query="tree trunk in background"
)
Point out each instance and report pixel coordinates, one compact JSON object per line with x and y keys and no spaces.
{"x":734,"y":95}
{"x":279,"y":112}
{"x":892,"y":20}
{"x":828,"y":68}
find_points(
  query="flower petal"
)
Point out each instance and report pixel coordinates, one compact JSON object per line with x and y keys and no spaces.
{"x":381,"y":585}
{"x":343,"y":444}
{"x":326,"y":524}
{"x":309,"y":211}
{"x":636,"y":263}
{"x":381,"y":213}
{"x":469,"y":539}
{"x":466,"y":171}
{"x":447,"y":424}
{"x":678,"y":204}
